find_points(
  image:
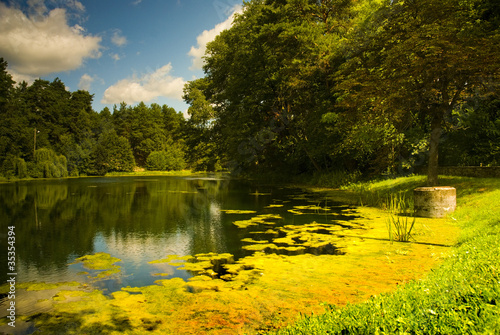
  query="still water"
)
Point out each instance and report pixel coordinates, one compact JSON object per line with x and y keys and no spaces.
{"x":138,"y":220}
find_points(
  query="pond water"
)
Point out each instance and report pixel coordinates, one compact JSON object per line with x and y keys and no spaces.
{"x":139,"y":220}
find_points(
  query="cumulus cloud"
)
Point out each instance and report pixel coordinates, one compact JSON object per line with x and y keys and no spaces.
{"x":41,"y":43}
{"x":115,"y":57}
{"x":145,"y":88}
{"x":118,"y":39}
{"x":85,"y":82}
{"x":207,"y":36}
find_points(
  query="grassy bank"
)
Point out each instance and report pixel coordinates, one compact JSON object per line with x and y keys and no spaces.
{"x":462,"y":296}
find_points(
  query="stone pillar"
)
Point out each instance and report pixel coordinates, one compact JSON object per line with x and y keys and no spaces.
{"x":434,"y":202}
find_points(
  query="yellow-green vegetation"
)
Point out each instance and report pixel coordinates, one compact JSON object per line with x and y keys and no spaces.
{"x":102,"y":262}
{"x":265,"y":291}
{"x":274,"y":206}
{"x":153,"y":173}
{"x":237,"y":211}
{"x":98,"y":261}
{"x":462,"y":296}
{"x":258,"y":219}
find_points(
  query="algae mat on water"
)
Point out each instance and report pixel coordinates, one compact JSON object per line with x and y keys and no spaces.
{"x":260,"y":292}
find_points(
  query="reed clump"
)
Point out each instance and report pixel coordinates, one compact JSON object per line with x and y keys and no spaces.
{"x":399,"y":224}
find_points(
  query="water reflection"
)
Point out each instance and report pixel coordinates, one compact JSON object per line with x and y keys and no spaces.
{"x":135,"y":219}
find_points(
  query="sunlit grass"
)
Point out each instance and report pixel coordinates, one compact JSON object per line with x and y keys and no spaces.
{"x":462,"y":296}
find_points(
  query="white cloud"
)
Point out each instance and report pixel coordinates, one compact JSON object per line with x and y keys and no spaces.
{"x":42,"y":42}
{"x":115,"y":57}
{"x":85,"y":82}
{"x":146,"y":88}
{"x":19,"y":78}
{"x":118,"y":39}
{"x":207,"y":36}
{"x":76,"y":5}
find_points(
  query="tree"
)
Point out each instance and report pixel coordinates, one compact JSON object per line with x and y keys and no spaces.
{"x":202,"y":139}
{"x":474,"y":138}
{"x":423,"y":57}
{"x":268,"y":81}
{"x":6,"y":85}
{"x":112,"y":153}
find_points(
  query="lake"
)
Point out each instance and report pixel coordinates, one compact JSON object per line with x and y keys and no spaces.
{"x":142,"y":219}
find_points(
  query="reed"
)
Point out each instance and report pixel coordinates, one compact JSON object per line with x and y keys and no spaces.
{"x":400,"y":228}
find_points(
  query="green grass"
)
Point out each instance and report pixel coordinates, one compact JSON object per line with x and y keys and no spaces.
{"x":152,"y":173}
{"x":462,"y":296}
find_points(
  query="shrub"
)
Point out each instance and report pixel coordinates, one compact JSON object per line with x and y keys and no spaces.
{"x":172,"y":159}
{"x":157,"y":161}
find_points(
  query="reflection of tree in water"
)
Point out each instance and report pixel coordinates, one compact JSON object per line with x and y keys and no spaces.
{"x":57,"y":221}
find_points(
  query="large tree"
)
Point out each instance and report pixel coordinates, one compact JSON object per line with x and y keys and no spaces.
{"x":269,"y":80}
{"x":421,"y":57}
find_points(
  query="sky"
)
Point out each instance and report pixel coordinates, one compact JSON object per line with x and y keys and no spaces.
{"x":118,"y":50}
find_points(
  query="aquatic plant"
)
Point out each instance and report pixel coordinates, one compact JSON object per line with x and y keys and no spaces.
{"x":237,"y":211}
{"x":101,"y":262}
{"x":400,"y":228}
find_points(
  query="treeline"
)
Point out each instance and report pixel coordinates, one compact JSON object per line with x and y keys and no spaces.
{"x":293,"y":87}
{"x":370,"y":87}
{"x":47,"y":131}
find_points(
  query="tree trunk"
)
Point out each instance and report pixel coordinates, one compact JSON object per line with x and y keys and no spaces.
{"x":432,"y":172}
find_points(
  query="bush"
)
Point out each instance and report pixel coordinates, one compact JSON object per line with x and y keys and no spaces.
{"x":173,"y":159}
{"x":112,"y":153}
{"x":336,"y":179}
{"x":157,"y":161}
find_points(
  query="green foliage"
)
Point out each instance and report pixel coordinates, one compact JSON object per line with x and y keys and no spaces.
{"x":474,"y":138}
{"x":157,"y":161}
{"x":166,"y":160}
{"x":399,"y":228}
{"x":14,"y":167}
{"x":48,"y":164}
{"x":460,"y":297}
{"x":46,"y":115}
{"x":112,"y":153}
{"x":335,"y":179}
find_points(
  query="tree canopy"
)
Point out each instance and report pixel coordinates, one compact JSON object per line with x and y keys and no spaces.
{"x":293,"y":87}
{"x":317,"y":85}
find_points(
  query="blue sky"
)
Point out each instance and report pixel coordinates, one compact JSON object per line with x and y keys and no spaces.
{"x":118,"y":50}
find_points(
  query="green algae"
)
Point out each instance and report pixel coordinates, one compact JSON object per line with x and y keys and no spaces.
{"x":245,"y":223}
{"x":314,"y":238}
{"x":102,"y":263}
{"x":251,"y":295}
{"x":97,"y":261}
{"x":261,"y":247}
{"x":238,"y":211}
{"x":252,"y":241}
{"x":274,"y":206}
{"x":258,"y":219}
{"x":312,"y":208}
{"x":161,"y":274}
{"x":40,"y":286}
{"x":173,"y":260}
